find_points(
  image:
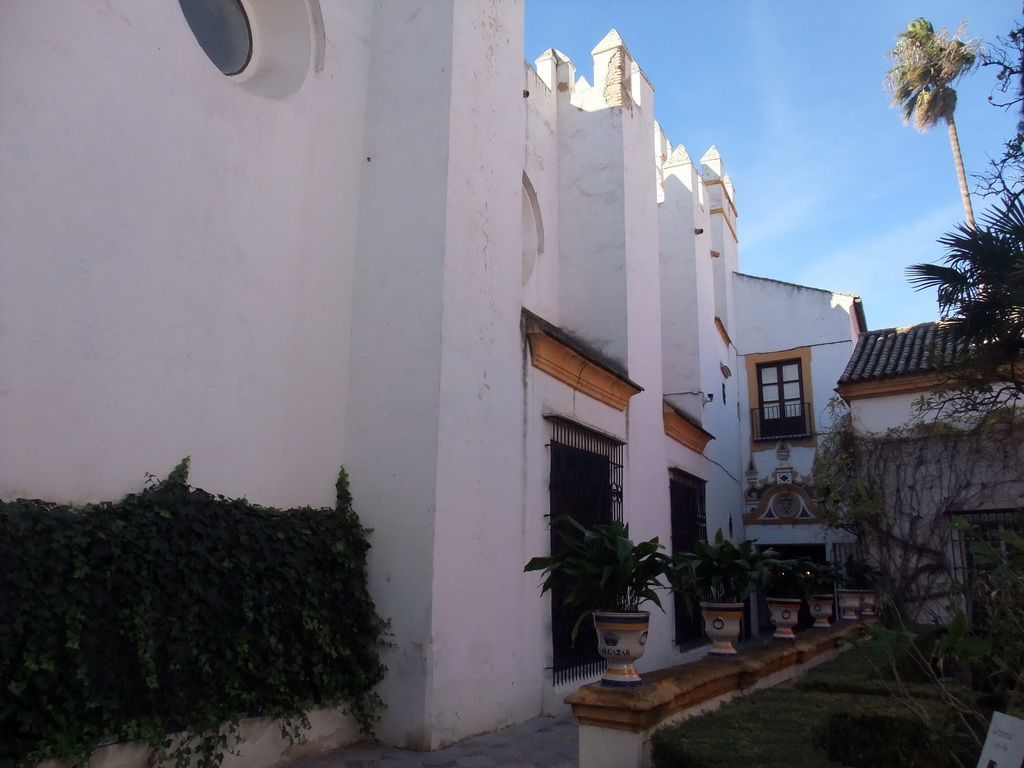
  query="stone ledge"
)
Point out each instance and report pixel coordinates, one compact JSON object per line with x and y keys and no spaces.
{"x":259,"y":744}
{"x":667,"y":692}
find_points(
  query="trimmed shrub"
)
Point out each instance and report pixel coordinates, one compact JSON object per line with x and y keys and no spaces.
{"x":869,"y":669}
{"x":775,"y":728}
{"x":840,"y":713}
{"x":883,"y":734}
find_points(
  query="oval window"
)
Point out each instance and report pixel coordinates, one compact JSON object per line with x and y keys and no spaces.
{"x":222,"y":29}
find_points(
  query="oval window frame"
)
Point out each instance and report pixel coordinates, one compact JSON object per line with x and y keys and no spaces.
{"x":214,"y":38}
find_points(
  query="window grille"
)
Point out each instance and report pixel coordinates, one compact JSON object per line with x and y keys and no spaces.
{"x":689,"y":525}
{"x":586,"y":485}
{"x":843,"y":551}
{"x":985,"y":527}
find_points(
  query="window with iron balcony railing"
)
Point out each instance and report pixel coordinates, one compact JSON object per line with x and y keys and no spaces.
{"x":781,"y":411}
{"x":773,"y":422}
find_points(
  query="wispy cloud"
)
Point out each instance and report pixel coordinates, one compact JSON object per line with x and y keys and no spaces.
{"x":873,"y":268}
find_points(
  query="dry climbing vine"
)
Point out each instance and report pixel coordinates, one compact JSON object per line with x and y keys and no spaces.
{"x":897,"y":491}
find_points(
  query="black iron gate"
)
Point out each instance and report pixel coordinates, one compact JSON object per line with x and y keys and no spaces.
{"x":585,"y":485}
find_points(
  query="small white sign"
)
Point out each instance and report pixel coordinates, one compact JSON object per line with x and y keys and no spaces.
{"x":1004,"y":745}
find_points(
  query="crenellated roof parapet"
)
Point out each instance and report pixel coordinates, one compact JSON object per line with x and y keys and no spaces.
{"x":613,"y":71}
{"x":711,"y":167}
{"x":620,"y":82}
{"x":721,"y":192}
{"x":678,"y":156}
{"x":556,"y":71}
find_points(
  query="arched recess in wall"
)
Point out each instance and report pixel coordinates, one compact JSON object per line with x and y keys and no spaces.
{"x":266,"y":46}
{"x":532,"y":229}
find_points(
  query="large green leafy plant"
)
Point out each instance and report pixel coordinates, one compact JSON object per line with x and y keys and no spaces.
{"x":789,"y":579}
{"x":722,"y":572}
{"x":604,"y":569}
{"x":174,"y":608}
{"x":859,"y":574}
{"x":822,"y":578}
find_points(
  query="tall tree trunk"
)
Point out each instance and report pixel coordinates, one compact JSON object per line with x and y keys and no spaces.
{"x":958,"y":161}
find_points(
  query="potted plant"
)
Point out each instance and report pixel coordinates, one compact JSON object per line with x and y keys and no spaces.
{"x":861,"y":579}
{"x":788,"y":582}
{"x":722,"y":575}
{"x":821,"y":592}
{"x":609,"y":577}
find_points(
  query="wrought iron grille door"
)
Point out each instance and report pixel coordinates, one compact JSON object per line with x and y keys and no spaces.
{"x":689,"y":525}
{"x":586,"y":485}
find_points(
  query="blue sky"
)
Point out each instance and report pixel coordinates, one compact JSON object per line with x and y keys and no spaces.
{"x":832,"y":190}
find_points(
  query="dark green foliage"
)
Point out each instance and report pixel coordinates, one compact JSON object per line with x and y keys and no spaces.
{"x":175,"y":608}
{"x":834,"y":715}
{"x":822,"y":578}
{"x":776,"y":728}
{"x":975,"y":665}
{"x":721,"y":571}
{"x":604,"y":568}
{"x":871,"y":668}
{"x":883,"y":734}
{"x":988,"y":649}
{"x":859,"y":574}
{"x":981,"y":286}
{"x":790,"y":579}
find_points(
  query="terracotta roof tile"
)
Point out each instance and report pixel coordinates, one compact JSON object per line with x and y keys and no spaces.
{"x":906,"y":351}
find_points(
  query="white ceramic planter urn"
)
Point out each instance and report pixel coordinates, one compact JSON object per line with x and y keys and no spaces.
{"x":785,"y":613}
{"x":822,"y":608}
{"x":722,"y":625}
{"x":849,"y":604}
{"x":868,"y":603}
{"x":621,"y":638}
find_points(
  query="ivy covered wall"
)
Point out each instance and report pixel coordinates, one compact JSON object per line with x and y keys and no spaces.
{"x":175,"y":608}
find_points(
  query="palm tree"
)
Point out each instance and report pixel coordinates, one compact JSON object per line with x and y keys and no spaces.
{"x":981,"y":284}
{"x":925,"y":64}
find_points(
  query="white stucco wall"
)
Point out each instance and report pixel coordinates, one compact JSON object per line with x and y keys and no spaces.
{"x":541,"y":266}
{"x":636,"y":283}
{"x":478,"y":652}
{"x":278,"y":278}
{"x":694,"y":352}
{"x":685,"y":277}
{"x":175,"y":270}
{"x":592,"y":239}
{"x":647,"y":498}
{"x":877,"y":414}
{"x":436,"y":378}
{"x":775,"y":317}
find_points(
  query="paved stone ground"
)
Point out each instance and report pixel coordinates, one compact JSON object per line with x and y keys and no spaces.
{"x":544,"y":742}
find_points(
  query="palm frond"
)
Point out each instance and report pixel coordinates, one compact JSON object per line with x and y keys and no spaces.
{"x":933,"y":276}
{"x":925,"y":64}
{"x":980,"y":283}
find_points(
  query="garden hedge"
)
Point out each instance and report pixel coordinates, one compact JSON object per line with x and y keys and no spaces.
{"x":178,"y":609}
{"x":839,"y":714}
